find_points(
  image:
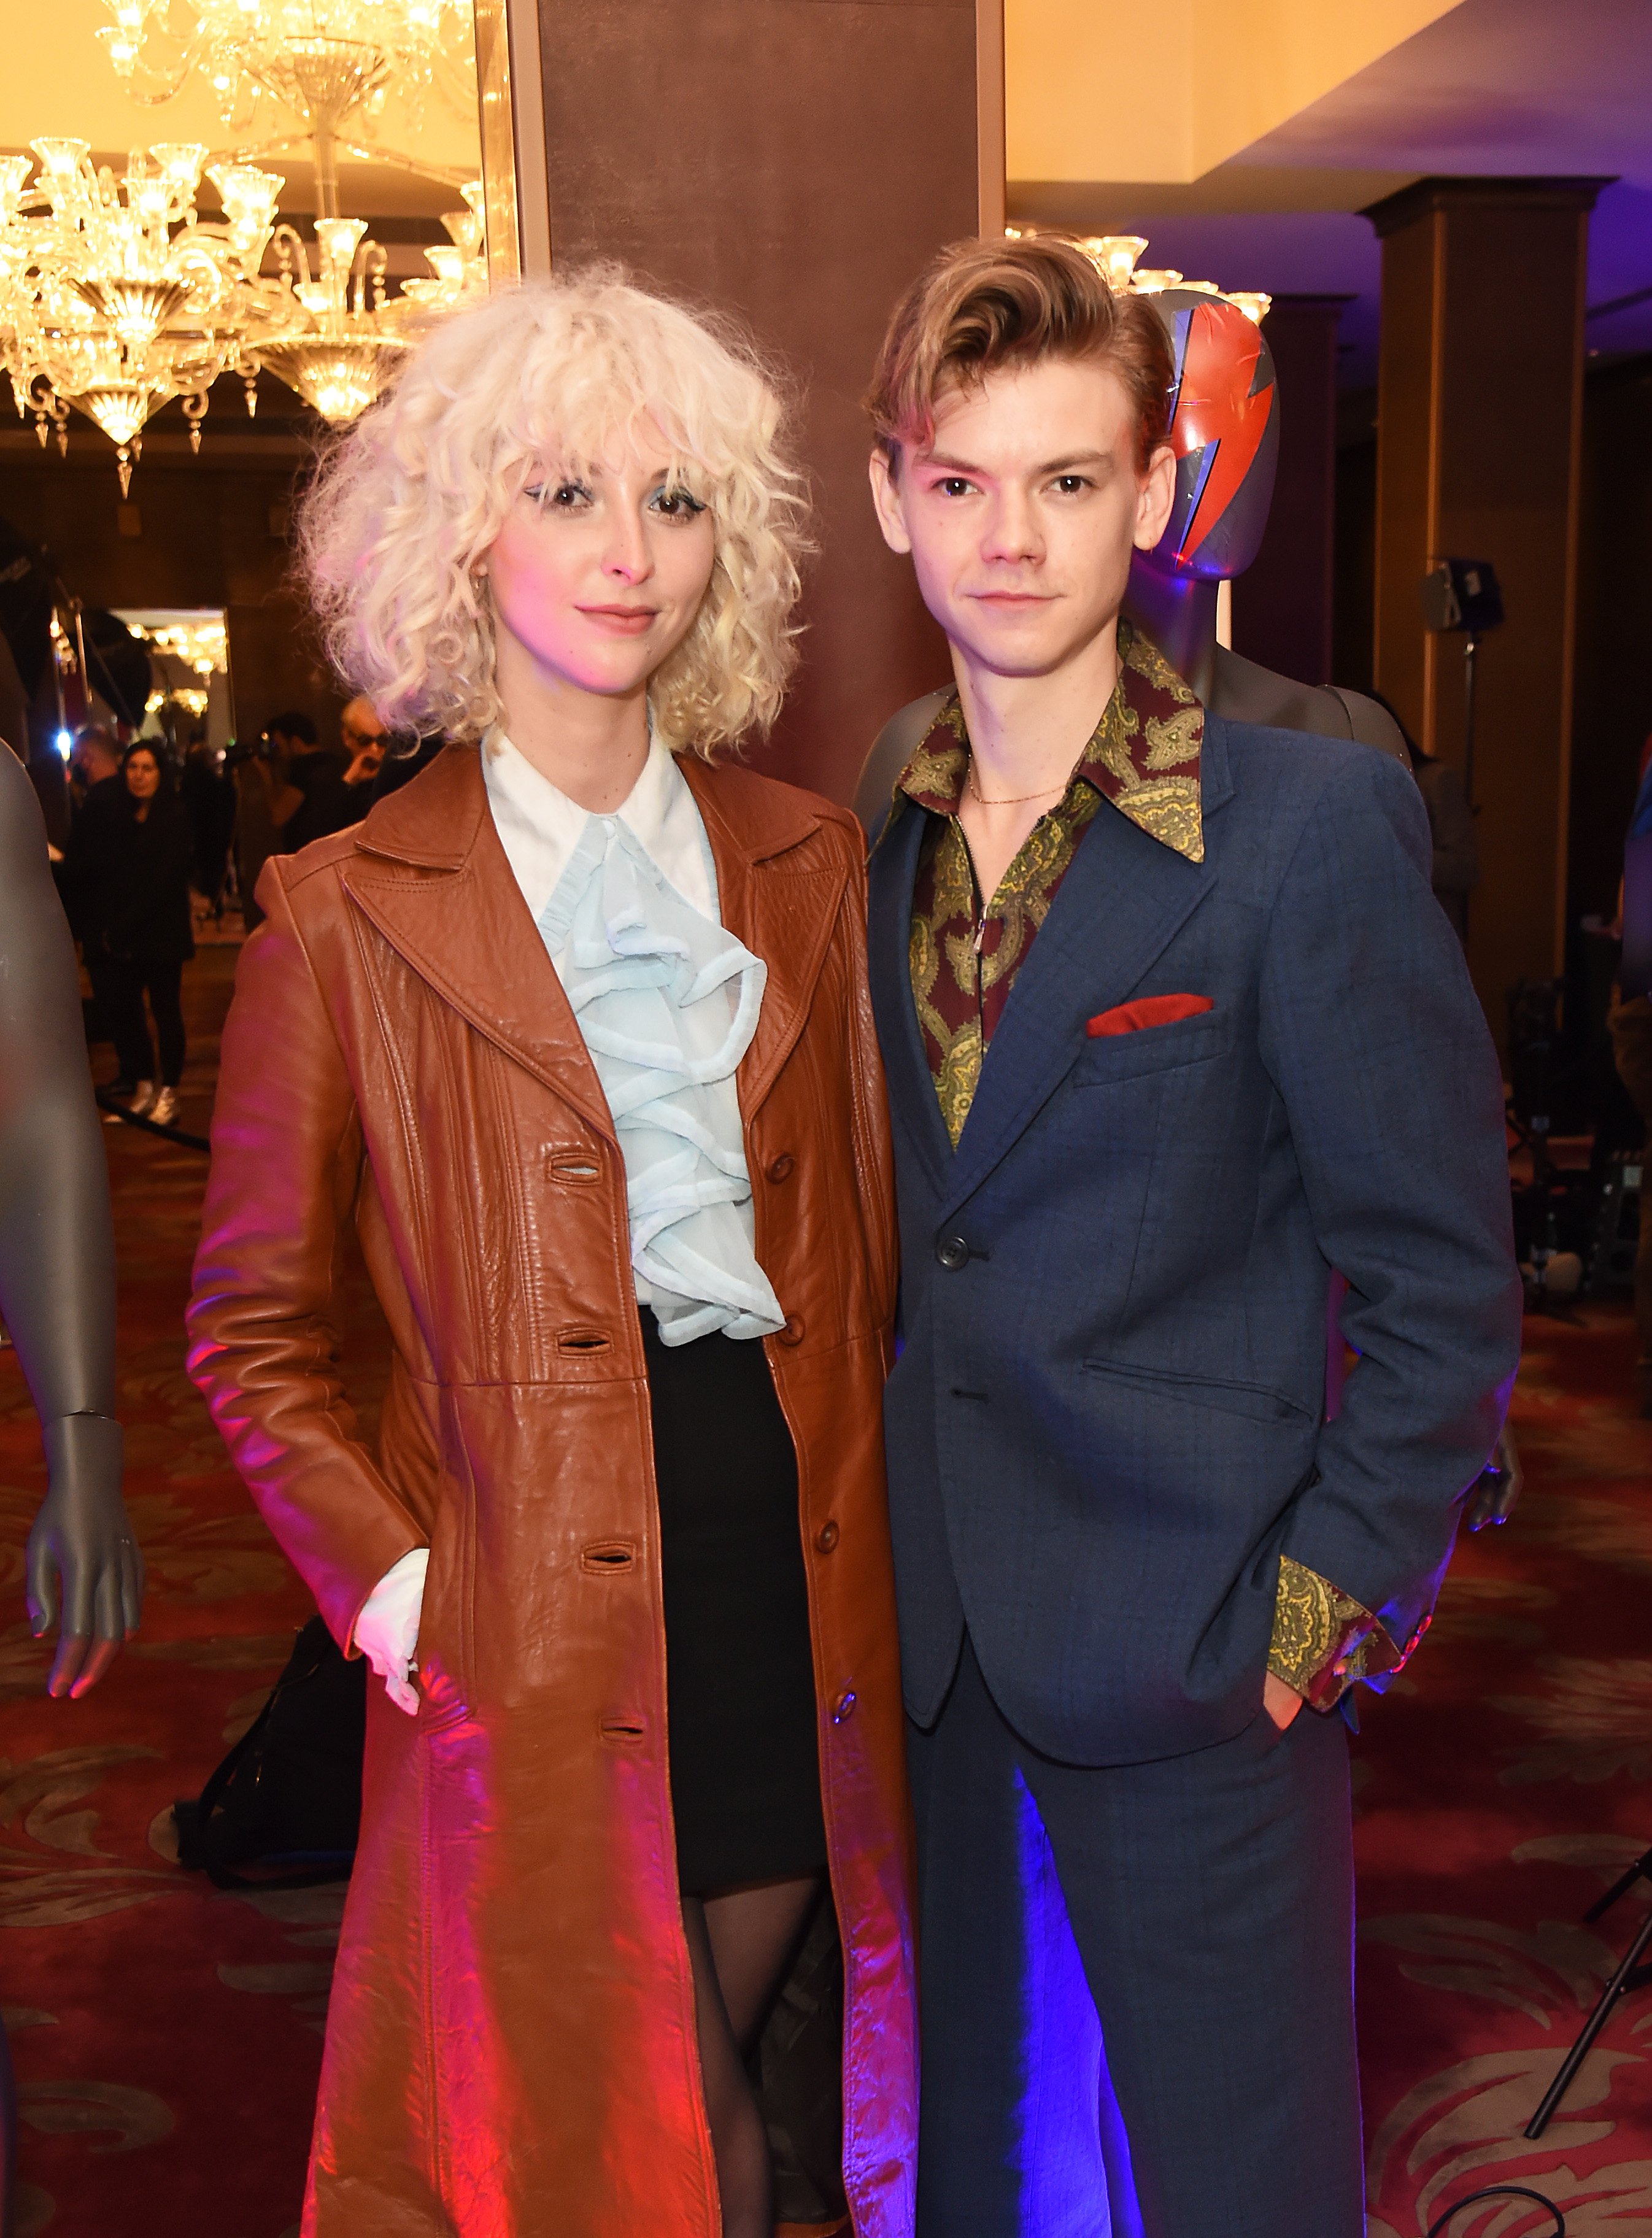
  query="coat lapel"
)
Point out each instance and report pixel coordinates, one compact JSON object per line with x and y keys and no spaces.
{"x":431,"y":874}
{"x":913,"y":1105}
{"x":1122,"y":903}
{"x":774,"y":893}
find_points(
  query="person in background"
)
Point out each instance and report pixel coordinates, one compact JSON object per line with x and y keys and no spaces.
{"x":94,"y":762}
{"x":319,"y":773}
{"x":100,"y":814}
{"x":364,"y":736}
{"x":264,"y":802}
{"x":144,"y":933}
{"x":209,"y":797}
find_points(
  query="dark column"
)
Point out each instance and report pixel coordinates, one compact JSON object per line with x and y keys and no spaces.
{"x":1479,"y":409}
{"x":1283,"y":604}
{"x":796,"y":162}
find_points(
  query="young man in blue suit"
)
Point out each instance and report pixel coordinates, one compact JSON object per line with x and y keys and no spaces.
{"x":1173,"y":1027}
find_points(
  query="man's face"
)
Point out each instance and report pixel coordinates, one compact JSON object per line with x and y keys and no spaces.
{"x":363,"y":735}
{"x":1023,"y":511}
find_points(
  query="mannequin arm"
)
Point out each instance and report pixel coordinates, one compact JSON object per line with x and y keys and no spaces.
{"x":58,"y":1264}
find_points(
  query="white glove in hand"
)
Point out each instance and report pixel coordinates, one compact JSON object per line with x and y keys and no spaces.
{"x":387,"y":1631}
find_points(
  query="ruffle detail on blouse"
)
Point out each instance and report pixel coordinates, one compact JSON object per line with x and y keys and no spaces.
{"x":667,"y":1001}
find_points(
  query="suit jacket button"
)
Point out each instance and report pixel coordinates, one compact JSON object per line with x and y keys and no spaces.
{"x":781,"y":1167}
{"x":793,"y":1332}
{"x":952,"y":1253}
{"x":843,"y":1709}
{"x":826,"y":1537}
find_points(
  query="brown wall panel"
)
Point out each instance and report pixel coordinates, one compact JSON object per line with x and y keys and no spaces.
{"x":1480,"y":402}
{"x":795,"y":162}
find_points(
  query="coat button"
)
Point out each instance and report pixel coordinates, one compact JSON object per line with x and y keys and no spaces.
{"x":780,"y":1168}
{"x":952,"y":1253}
{"x":843,"y":1707}
{"x":793,"y":1332}
{"x":826,"y":1537}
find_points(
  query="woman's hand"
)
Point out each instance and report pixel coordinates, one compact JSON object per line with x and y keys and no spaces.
{"x":387,"y":1632}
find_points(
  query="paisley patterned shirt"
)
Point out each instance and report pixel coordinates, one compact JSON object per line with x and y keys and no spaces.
{"x":1144,"y":757}
{"x":966,"y":950}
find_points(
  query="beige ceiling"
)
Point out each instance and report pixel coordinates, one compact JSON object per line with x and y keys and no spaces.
{"x":1166,"y":89}
{"x":57,"y":81}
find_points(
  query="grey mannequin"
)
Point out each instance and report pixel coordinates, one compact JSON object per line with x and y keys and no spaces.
{"x":58,"y":1292}
{"x":85,"y":1574}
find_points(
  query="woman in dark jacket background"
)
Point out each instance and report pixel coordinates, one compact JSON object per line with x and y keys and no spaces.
{"x":140,"y":927}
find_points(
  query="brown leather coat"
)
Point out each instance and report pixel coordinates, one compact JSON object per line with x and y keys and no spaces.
{"x":511,"y":2050}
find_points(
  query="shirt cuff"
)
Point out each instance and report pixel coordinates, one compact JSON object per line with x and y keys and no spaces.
{"x":1323,"y":1639}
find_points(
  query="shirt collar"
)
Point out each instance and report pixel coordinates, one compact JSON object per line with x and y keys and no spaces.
{"x":540,"y":826}
{"x":1143,"y":755}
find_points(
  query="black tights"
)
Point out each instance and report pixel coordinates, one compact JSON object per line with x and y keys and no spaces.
{"x":741,"y":1944}
{"x":122,"y":984}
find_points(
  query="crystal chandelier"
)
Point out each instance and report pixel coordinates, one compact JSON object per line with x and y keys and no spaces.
{"x":115,"y":296}
{"x":339,"y":336}
{"x":327,"y":63}
{"x":1114,"y":256}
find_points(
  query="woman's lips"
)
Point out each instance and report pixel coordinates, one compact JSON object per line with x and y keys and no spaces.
{"x":625,"y":621}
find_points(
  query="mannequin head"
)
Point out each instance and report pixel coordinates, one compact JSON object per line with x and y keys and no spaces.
{"x":1224,"y":430}
{"x":476,"y":495}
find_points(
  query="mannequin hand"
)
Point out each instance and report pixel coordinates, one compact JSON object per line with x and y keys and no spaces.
{"x":387,"y":1632}
{"x":82,"y":1541}
{"x":1281,"y":1702}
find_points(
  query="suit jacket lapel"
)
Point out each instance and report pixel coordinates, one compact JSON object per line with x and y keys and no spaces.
{"x":914,"y":1103}
{"x":431,"y":874}
{"x":1122,"y":901}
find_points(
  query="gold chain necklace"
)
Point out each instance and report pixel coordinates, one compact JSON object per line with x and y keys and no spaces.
{"x":1014,"y":800}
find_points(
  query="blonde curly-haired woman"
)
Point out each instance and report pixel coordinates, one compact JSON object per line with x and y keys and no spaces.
{"x":574,"y":1029}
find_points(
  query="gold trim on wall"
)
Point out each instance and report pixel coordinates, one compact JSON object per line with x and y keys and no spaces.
{"x":990,"y":132}
{"x":498,"y":150}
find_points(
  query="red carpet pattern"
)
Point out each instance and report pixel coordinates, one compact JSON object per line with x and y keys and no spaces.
{"x":167,"y":2037}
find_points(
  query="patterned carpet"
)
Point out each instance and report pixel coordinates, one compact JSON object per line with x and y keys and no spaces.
{"x":167,"y":2037}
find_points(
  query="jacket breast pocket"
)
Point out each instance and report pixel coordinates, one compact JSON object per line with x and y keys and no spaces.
{"x":1111,"y":1058}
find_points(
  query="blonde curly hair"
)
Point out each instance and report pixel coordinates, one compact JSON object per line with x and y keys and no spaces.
{"x":402,"y":510}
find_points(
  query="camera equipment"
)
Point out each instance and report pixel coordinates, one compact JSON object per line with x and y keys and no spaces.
{"x":1462,"y":594}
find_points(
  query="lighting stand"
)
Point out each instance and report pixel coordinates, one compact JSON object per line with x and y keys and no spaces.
{"x":1630,"y":1974}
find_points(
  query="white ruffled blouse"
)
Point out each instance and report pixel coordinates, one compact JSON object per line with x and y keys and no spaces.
{"x":667,"y":1001}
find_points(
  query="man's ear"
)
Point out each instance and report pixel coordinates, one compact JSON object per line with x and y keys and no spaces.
{"x":886,"y":500}
{"x":1156,"y":496}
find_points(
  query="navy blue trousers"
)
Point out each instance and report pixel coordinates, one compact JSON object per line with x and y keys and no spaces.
{"x":1138,"y":1986}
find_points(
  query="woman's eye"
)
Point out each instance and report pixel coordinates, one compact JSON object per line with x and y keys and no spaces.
{"x":568,"y":494}
{"x":676,"y":503}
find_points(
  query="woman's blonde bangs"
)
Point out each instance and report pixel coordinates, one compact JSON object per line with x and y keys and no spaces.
{"x":409,"y":499}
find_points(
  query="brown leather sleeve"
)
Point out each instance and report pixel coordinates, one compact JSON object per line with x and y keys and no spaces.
{"x":263,"y":1341}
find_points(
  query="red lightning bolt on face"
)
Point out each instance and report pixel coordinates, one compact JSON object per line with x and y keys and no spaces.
{"x":1214,"y":406}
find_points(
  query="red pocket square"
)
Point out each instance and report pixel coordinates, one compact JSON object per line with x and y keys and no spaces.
{"x":1150,"y":1011}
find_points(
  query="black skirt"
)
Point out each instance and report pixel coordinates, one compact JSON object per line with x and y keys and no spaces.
{"x":739,"y":1683}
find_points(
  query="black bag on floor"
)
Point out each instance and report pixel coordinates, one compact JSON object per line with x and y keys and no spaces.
{"x":287,"y":1797}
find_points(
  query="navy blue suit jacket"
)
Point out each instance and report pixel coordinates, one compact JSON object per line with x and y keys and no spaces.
{"x":1106,"y":1423}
